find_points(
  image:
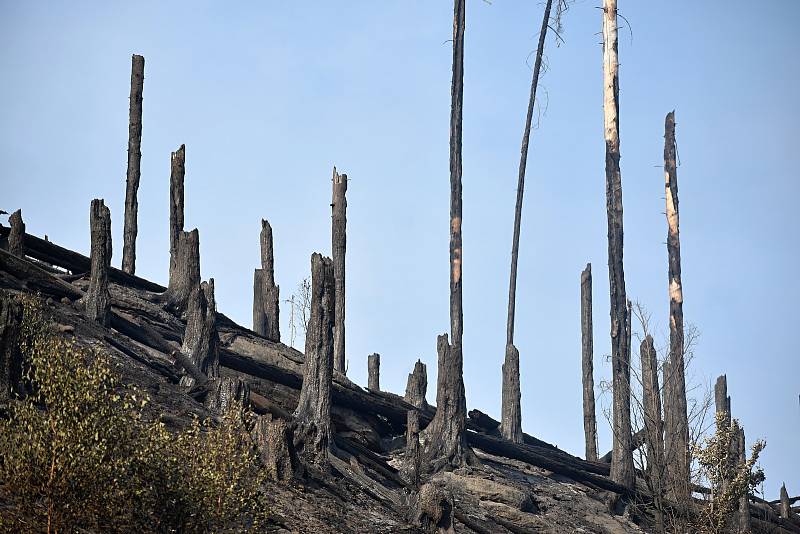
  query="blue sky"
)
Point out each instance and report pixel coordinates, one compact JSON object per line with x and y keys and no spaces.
{"x":268,"y":96}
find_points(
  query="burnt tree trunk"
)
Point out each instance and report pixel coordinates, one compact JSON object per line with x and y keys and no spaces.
{"x":622,"y":470}
{"x":413,"y":461}
{"x":374,"y":372}
{"x":512,"y":428}
{"x":266,"y":295}
{"x":511,"y":415}
{"x":417,"y":386}
{"x":10,"y":354}
{"x":313,"y":437}
{"x":654,"y":425}
{"x":678,"y":427}
{"x":176,"y":180}
{"x":134,"y":165}
{"x":97,"y":301}
{"x":722,"y":401}
{"x":186,"y":275}
{"x":338,"y":248}
{"x":227,"y":392}
{"x":785,"y":506}
{"x":587,"y":364}
{"x":200,"y":339}
{"x":273,"y":438}
{"x":16,"y":237}
{"x":744,"y":526}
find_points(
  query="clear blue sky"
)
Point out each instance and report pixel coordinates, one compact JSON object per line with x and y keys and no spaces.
{"x":268,"y":96}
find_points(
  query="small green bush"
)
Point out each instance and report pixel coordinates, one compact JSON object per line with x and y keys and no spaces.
{"x":77,"y":454}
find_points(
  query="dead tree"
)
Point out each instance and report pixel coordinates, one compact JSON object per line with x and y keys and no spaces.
{"x":313,"y":436}
{"x":266,"y":295}
{"x":511,"y":416}
{"x":743,"y":516}
{"x":374,"y":370}
{"x":785,"y":506}
{"x":16,"y":237}
{"x":200,"y":339}
{"x":417,"y":386}
{"x":176,"y":178}
{"x":722,"y":401}
{"x":227,"y":392}
{"x":413,"y":461}
{"x":10,"y":354}
{"x":653,"y":423}
{"x":134,"y":165}
{"x":622,"y":470}
{"x":677,"y":423}
{"x":97,"y":301}
{"x":273,"y":438}
{"x":587,"y":364}
{"x":185,"y":278}
{"x":511,"y":387}
{"x":338,"y":248}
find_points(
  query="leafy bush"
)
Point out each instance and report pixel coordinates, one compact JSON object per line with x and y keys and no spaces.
{"x":77,"y":454}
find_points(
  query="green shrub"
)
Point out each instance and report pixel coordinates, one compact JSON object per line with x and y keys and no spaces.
{"x":77,"y":453}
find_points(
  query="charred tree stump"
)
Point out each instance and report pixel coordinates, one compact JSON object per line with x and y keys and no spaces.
{"x":678,"y":425}
{"x":176,"y":180}
{"x":654,"y":426}
{"x":16,"y":237}
{"x":785,"y":506}
{"x":511,"y":416}
{"x":134,"y":165}
{"x":186,"y":275}
{"x":227,"y":392}
{"x":266,"y":295}
{"x":200,"y":339}
{"x":339,"y":247}
{"x":622,"y":470}
{"x":97,"y":301}
{"x":313,"y":436}
{"x":413,"y":460}
{"x":587,"y":364}
{"x":10,"y":355}
{"x":722,"y":401}
{"x":374,"y":370}
{"x":273,"y":438}
{"x":417,"y":386}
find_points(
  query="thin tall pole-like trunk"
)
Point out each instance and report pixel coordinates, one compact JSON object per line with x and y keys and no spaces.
{"x":511,"y":416}
{"x":131,"y":228}
{"x":678,"y":427}
{"x":338,"y":250}
{"x":622,"y":470}
{"x":587,"y":364}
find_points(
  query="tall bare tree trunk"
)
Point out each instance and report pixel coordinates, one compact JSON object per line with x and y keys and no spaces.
{"x":176,"y":177}
{"x":339,"y":248}
{"x":678,"y":427}
{"x":445,"y":443}
{"x":512,"y":430}
{"x":266,"y":295}
{"x":134,"y":165}
{"x":313,"y":413}
{"x":16,"y":235}
{"x":587,"y":364}
{"x":97,"y":301}
{"x":622,"y":470}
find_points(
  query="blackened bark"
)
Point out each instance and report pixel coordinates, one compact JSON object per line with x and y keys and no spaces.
{"x":313,"y":414}
{"x":678,"y":427}
{"x":176,"y":181}
{"x":654,"y":426}
{"x":413,"y":460}
{"x":785,"y":506}
{"x":266,"y":295}
{"x":10,"y":355}
{"x":186,"y":276}
{"x":273,"y":438}
{"x":622,"y":470}
{"x":97,"y":301}
{"x":587,"y":364}
{"x":511,"y":416}
{"x":339,"y":247}
{"x":417,"y":386}
{"x":200,"y":339}
{"x":374,"y":372}
{"x":227,"y":392}
{"x":134,"y":165}
{"x":16,"y":237}
{"x":722,"y":401}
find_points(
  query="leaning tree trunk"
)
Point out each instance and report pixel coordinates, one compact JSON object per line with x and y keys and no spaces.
{"x":97,"y":301}
{"x":313,"y":414}
{"x":654,"y":427}
{"x":200,"y":339}
{"x":511,"y":387}
{"x":417,"y":386}
{"x":374,"y":372}
{"x":134,"y":165}
{"x":339,"y":247}
{"x":16,"y":236}
{"x":678,"y":427}
{"x":587,"y":365}
{"x":266,"y":295}
{"x":622,"y":470}
{"x":186,"y":276}
{"x":10,"y":353}
{"x":176,"y":177}
{"x":445,"y":443}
